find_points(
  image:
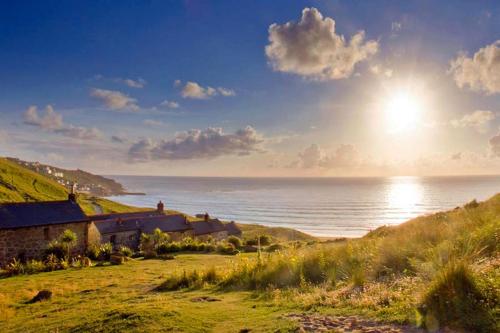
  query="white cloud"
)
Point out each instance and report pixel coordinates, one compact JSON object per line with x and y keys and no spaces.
{"x":49,"y":121}
{"x":311,"y":48}
{"x":115,"y":100}
{"x":169,"y":104}
{"x":198,"y":144}
{"x":314,"y":156}
{"x":478,"y":120}
{"x":139,"y":83}
{"x":194,"y":90}
{"x":53,"y":122}
{"x":226,"y":92}
{"x":481,"y":72}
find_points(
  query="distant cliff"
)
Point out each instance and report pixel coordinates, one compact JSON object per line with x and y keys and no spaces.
{"x":86,"y":182}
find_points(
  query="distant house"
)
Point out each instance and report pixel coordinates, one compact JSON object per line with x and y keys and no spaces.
{"x":27,"y":228}
{"x":233,"y":229}
{"x":209,"y":227}
{"x":126,"y":229}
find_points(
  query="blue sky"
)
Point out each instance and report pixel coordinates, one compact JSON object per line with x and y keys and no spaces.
{"x":104,"y":68}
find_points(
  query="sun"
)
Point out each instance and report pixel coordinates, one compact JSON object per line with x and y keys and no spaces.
{"x":402,"y":111}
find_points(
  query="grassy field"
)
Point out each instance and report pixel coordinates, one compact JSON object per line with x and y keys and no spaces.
{"x":18,"y":184}
{"x":121,"y":298}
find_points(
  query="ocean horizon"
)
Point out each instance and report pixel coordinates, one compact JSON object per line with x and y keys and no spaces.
{"x":325,"y":207}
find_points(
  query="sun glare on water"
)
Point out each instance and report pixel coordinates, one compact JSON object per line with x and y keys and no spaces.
{"x":402,"y":111}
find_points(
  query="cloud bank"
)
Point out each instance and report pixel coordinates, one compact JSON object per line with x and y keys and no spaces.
{"x":311,"y":48}
{"x":481,"y":72}
{"x":52,"y":121}
{"x":478,"y":120}
{"x":198,"y":144}
{"x":314,"y":156}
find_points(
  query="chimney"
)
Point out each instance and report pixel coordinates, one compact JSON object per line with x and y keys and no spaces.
{"x":159,"y":207}
{"x":72,"y":194}
{"x":207,"y":217}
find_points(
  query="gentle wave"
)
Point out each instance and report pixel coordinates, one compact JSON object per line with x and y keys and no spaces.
{"x":347,"y":207}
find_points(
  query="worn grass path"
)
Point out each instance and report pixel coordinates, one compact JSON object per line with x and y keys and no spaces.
{"x":120,"y":298}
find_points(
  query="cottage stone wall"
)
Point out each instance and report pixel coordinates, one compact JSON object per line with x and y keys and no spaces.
{"x":128,"y":238}
{"x":30,"y":243}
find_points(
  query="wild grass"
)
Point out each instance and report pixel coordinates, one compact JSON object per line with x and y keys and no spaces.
{"x":368,"y":273}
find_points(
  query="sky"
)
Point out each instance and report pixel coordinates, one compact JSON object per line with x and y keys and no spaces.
{"x":253,"y":88}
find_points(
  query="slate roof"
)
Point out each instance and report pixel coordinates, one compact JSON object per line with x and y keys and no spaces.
{"x":148,"y":213}
{"x":145,"y":223}
{"x":232,"y":229}
{"x":30,"y":214}
{"x":207,"y":227}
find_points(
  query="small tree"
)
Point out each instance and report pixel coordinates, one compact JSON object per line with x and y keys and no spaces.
{"x":159,"y":237}
{"x":235,"y":241}
{"x":68,"y":238}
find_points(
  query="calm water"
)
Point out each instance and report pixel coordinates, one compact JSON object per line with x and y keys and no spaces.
{"x":324,"y":207}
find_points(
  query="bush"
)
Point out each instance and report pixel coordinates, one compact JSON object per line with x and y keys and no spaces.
{"x":126,"y":251}
{"x":227,"y":248}
{"x":16,"y":267}
{"x":55,"y":248}
{"x":265,"y":240}
{"x":34,"y":266}
{"x":471,"y":205}
{"x":235,"y":241}
{"x":93,"y":251}
{"x":455,"y":301}
{"x":275,"y":247}
{"x":105,"y":251}
{"x":251,"y":242}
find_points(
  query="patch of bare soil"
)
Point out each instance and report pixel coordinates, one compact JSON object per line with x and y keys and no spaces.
{"x":318,"y":323}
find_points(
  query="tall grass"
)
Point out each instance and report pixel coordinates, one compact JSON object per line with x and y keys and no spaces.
{"x":416,"y":252}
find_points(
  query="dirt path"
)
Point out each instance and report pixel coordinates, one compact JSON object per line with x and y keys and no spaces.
{"x":318,"y":323}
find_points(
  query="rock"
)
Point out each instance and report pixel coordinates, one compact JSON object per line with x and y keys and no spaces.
{"x":41,"y":296}
{"x":117,"y":259}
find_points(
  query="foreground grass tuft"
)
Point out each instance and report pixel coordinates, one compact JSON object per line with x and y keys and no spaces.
{"x":454,"y":300}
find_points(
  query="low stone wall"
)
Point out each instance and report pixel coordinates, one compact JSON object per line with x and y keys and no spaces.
{"x":30,"y":243}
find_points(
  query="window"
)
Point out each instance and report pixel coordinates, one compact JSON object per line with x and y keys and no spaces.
{"x":46,"y":235}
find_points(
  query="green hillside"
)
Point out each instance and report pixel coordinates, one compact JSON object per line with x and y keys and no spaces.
{"x":19,"y":184}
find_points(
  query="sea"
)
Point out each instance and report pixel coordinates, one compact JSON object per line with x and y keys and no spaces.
{"x":326,"y":207}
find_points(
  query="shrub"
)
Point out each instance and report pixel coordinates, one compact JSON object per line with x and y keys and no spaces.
{"x":455,"y":301}
{"x":126,"y":251}
{"x":93,"y":251}
{"x":55,"y":248}
{"x":275,"y":247}
{"x":472,"y":204}
{"x":105,"y":251}
{"x":16,"y":267}
{"x":251,"y":242}
{"x":51,"y":262}
{"x":227,"y":248}
{"x":265,"y":240}
{"x":235,"y":241}
{"x":34,"y":266}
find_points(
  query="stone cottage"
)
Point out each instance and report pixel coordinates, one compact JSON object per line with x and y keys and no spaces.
{"x":27,"y":228}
